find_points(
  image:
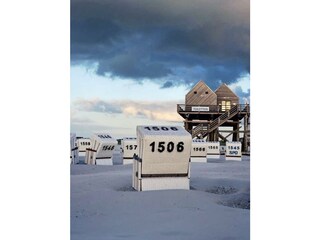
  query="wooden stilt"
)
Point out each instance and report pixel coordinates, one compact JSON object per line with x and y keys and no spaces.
{"x":245,"y":134}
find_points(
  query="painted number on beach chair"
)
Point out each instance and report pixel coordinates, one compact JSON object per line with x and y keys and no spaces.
{"x":105,"y":148}
{"x":199,"y":149}
{"x":104,"y":136}
{"x":234,"y":147}
{"x":161,"y":128}
{"x":170,"y":146}
{"x":131,"y":147}
{"x":213,"y":147}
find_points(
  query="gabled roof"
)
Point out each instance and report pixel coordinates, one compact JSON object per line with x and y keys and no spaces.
{"x":201,"y":83}
{"x":201,"y":94}
{"x":225,"y":89}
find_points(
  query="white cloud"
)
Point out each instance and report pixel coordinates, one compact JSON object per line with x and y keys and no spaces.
{"x":160,"y":111}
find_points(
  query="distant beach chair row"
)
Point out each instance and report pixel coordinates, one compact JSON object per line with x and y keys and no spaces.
{"x":161,"y":155}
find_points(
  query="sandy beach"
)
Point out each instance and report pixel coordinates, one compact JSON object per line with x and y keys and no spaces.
{"x":104,"y":206}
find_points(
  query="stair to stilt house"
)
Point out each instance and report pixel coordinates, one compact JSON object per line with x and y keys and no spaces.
{"x":204,"y":129}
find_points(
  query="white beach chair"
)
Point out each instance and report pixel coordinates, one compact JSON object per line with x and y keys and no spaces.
{"x":74,"y":153}
{"x":129,"y":148}
{"x":233,"y":151}
{"x":101,"y":151}
{"x":83,"y":144}
{"x":213,"y":150}
{"x":199,"y":150}
{"x":163,"y":160}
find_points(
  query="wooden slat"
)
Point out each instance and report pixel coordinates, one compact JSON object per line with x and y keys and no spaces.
{"x":224,"y":93}
{"x":201,"y":98}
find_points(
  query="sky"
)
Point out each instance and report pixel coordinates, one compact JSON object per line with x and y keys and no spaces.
{"x":133,"y":61}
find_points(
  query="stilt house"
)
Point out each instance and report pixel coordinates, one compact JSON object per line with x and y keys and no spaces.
{"x":205,"y":111}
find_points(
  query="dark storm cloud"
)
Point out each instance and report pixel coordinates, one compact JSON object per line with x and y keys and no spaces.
{"x":167,"y":84}
{"x":176,"y":41}
{"x":132,"y":66}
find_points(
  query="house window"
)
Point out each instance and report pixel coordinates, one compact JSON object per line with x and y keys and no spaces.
{"x":225,"y":105}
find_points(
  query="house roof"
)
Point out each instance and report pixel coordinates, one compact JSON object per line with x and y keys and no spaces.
{"x":225,"y":91}
{"x":199,"y":84}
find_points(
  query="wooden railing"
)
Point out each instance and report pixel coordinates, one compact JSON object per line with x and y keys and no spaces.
{"x":212,"y":108}
{"x":197,"y":130}
{"x":204,"y":130}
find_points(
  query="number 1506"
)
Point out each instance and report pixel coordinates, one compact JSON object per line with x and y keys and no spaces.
{"x":169,"y":147}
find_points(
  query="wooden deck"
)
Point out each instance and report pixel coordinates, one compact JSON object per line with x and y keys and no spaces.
{"x":202,"y":121}
{"x":190,"y":111}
